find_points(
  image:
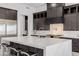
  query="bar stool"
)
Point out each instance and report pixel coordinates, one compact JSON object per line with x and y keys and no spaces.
{"x":14,"y":49}
{"x":6,"y":48}
{"x":18,"y":51}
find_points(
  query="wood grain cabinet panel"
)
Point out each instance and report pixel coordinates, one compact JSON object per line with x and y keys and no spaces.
{"x":67,"y":22}
{"x":39,"y":22}
{"x":73,"y":22}
{"x":75,"y":45}
{"x":70,"y":22}
{"x":78,"y":21}
{"x":71,"y":13}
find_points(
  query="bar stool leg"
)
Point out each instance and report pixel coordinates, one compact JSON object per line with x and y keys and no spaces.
{"x":2,"y":50}
{"x":8,"y":51}
{"x":17,"y":53}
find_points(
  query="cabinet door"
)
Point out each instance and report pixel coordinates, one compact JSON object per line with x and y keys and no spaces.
{"x":67,"y":22}
{"x":40,"y":24}
{"x":74,"y":21}
{"x":78,"y":21}
{"x":75,"y":45}
{"x":70,"y":22}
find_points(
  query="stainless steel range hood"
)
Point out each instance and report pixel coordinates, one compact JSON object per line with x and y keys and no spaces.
{"x":55,"y":10}
{"x":55,"y":18}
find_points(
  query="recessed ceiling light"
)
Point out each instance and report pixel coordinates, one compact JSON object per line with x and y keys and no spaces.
{"x":53,"y":4}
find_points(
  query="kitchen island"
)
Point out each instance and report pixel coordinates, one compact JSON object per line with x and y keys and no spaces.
{"x":46,"y":46}
{"x":75,"y":41}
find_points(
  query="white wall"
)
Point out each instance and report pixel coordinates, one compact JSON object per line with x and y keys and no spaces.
{"x":68,"y":4}
{"x":40,"y":8}
{"x":22,"y":10}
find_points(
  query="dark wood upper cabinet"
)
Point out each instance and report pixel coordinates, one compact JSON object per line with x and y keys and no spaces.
{"x":71,"y":17}
{"x":66,"y":11}
{"x":41,"y":14}
{"x":38,"y":15}
{"x":78,"y":9}
{"x":39,"y":19}
{"x":77,"y":22}
{"x":73,"y":10}
{"x":45,"y":14}
{"x":70,"y":22}
{"x":34,"y":16}
{"x":8,"y":14}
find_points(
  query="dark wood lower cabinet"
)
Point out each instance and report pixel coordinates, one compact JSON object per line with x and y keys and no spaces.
{"x":28,"y":49}
{"x":75,"y":45}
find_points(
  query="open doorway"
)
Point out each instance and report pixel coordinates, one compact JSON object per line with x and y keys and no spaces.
{"x":26,"y":25}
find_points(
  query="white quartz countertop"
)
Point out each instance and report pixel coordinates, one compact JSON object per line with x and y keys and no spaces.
{"x":35,"y":41}
{"x":70,"y":36}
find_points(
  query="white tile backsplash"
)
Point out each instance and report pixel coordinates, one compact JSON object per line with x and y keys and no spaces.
{"x":65,"y":33}
{"x":71,"y":33}
{"x":43,"y":32}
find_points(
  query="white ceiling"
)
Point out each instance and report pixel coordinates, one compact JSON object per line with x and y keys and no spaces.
{"x":40,"y":4}
{"x":35,"y":4}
